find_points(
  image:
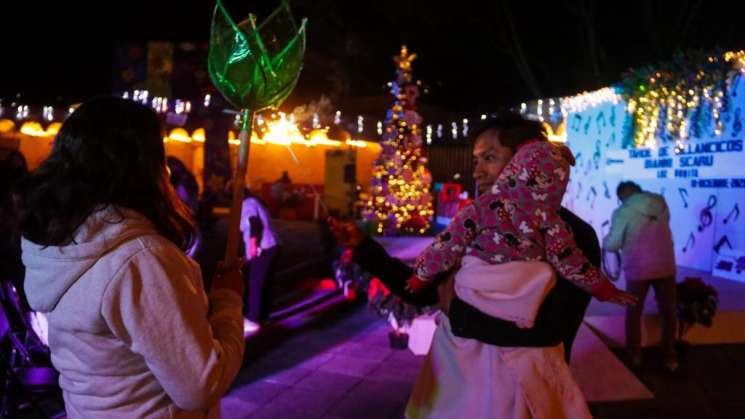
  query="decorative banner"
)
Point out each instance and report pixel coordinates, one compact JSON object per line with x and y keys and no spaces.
{"x":159,"y":68}
{"x":710,"y":161}
{"x":190,"y":78}
{"x":129,"y":67}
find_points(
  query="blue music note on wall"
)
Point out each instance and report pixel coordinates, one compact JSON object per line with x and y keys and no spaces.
{"x":587,"y":125}
{"x":705,"y":217}
{"x":611,"y":141}
{"x":735,"y":211}
{"x":606,"y":192}
{"x":684,"y":196}
{"x":576,"y":122}
{"x":737,"y":126}
{"x":600,"y":122}
{"x":724,"y":240}
{"x":689,"y":243}
{"x":613,"y":117}
{"x":592,"y":193}
{"x":596,"y":155}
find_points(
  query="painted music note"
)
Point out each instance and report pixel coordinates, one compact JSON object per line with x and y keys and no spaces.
{"x":705,"y":217}
{"x":735,"y":211}
{"x":724,"y":240}
{"x":576,"y":123}
{"x":592,"y":193}
{"x":737,"y":126}
{"x":587,"y":125}
{"x":579,"y":190}
{"x":690,"y":243}
{"x":613,"y":117}
{"x":600,"y":121}
{"x":596,"y":155}
{"x":606,"y":192}
{"x":611,"y":141}
{"x":588,"y":167}
{"x":578,"y":159}
{"x":684,"y":196}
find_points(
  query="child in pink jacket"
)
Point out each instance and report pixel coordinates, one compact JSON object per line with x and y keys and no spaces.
{"x":518,"y":221}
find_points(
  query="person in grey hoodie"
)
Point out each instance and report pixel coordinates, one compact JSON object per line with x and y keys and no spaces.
{"x":640,"y":229}
{"x":131,"y":330}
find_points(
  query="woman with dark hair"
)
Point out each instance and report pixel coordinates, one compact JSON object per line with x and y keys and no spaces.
{"x":131,"y":330}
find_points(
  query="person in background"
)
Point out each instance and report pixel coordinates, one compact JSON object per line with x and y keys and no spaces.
{"x":261,"y":251}
{"x":184,"y":183}
{"x":12,"y":169}
{"x":640,"y":230}
{"x":131,"y":330}
{"x":187,"y":189}
{"x":280,"y":190}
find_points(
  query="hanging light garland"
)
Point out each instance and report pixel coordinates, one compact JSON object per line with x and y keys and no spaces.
{"x":680,"y":99}
{"x":736,"y":59}
{"x":584,"y":100}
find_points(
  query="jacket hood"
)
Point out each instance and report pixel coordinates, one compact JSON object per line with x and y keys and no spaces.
{"x":539,"y":171}
{"x":52,"y":270}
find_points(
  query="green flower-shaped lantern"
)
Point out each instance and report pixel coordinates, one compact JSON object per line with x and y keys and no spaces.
{"x":255,"y":67}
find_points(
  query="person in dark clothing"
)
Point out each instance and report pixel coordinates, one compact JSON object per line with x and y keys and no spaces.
{"x":560,"y":315}
{"x":558,"y":319}
{"x":12,"y":169}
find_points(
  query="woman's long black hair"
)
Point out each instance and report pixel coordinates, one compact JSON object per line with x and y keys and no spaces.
{"x":109,"y":152}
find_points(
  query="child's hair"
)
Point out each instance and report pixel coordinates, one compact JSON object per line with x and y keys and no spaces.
{"x":513,"y":129}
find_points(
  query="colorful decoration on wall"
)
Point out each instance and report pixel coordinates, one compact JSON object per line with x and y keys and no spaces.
{"x":681,"y":98}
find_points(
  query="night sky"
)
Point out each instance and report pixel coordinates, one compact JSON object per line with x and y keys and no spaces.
{"x":474,"y":56}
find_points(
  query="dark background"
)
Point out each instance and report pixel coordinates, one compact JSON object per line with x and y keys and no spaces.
{"x":473,"y":56}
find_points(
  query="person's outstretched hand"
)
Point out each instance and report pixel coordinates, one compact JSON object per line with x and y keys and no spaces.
{"x":346,"y":233}
{"x":623,"y":298}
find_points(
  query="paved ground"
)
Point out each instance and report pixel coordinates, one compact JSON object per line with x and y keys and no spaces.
{"x":336,"y":363}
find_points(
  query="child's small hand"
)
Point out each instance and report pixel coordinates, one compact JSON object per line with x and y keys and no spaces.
{"x":415,"y":284}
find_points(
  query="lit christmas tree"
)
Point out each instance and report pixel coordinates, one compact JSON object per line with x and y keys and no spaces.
{"x":400,"y":200}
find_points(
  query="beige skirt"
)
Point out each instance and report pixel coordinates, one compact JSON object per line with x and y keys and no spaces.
{"x":464,"y":378}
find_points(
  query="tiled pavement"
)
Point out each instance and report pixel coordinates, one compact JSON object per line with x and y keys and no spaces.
{"x":336,"y":363}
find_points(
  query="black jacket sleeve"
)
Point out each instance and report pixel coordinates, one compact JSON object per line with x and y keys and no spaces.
{"x":374,"y":259}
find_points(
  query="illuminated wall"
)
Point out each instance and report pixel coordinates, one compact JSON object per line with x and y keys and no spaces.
{"x":266,"y":163}
{"x":703,"y":181}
